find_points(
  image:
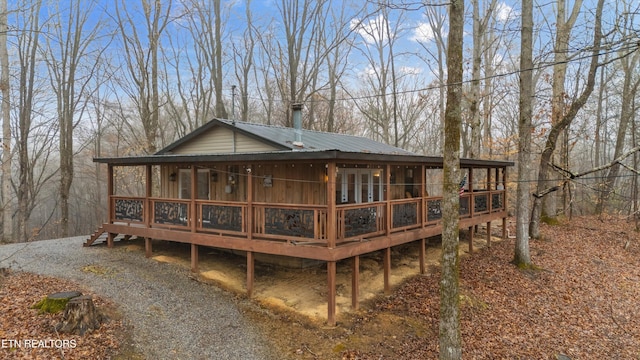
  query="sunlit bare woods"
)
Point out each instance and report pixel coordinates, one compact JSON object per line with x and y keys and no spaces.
{"x":161,"y":68}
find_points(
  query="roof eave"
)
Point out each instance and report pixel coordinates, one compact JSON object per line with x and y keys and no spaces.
{"x":280,"y":156}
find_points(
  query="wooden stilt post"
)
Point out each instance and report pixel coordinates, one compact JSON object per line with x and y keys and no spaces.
{"x":355,"y":282}
{"x":331,"y":284}
{"x":387,"y":270}
{"x":504,"y":228}
{"x":194,"y":258}
{"x":250,"y":273}
{"x":422,"y":255}
{"x":471,"y":234}
{"x":110,"y":237}
{"x":488,"y":234}
{"x":147,"y":247}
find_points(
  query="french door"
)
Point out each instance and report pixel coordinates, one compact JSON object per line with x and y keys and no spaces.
{"x":358,"y":186}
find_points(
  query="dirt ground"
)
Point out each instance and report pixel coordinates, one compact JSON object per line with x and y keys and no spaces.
{"x":290,"y":304}
{"x":304,"y":290}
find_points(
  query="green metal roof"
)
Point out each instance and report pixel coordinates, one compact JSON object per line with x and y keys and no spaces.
{"x":315,"y":145}
{"x":284,"y":138}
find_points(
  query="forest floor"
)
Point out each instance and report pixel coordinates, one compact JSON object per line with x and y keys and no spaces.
{"x":27,"y":334}
{"x":579,"y":301}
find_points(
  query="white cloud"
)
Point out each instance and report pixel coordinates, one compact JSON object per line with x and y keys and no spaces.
{"x":505,"y":13}
{"x":372,"y":30}
{"x":411,"y":70}
{"x":422,"y":33}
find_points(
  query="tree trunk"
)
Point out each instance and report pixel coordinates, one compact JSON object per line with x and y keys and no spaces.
{"x":7,"y":208}
{"x":449,"y":331}
{"x":80,"y":316}
{"x":524,"y":131}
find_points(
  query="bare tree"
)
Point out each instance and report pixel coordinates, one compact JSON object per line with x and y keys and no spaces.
{"x":34,"y":132}
{"x":206,"y":25}
{"x":434,"y":31}
{"x":449,"y":336}
{"x":565,"y":117}
{"x":379,"y":98}
{"x":294,"y":62}
{"x":631,"y":82}
{"x":141,"y":60}
{"x":244,"y":62}
{"x":70,"y":72}
{"x":479,"y":31}
{"x":7,"y":208}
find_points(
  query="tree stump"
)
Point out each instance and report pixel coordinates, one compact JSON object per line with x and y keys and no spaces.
{"x":56,"y":302}
{"x":79,"y":316}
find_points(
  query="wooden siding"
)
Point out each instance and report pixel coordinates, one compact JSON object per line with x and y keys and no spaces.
{"x":290,"y":183}
{"x":221,"y":140}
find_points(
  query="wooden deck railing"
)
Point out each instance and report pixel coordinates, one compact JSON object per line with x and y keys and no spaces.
{"x":293,"y":223}
{"x":296,"y":223}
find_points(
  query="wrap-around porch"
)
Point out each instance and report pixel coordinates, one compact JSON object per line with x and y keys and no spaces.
{"x":355,"y":213}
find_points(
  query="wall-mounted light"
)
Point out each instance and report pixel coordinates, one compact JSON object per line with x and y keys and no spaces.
{"x":173,"y":177}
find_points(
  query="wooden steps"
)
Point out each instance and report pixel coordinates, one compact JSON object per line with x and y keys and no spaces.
{"x":99,"y":234}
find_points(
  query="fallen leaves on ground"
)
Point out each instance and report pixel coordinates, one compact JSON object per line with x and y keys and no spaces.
{"x":581,"y":301}
{"x":25,"y":334}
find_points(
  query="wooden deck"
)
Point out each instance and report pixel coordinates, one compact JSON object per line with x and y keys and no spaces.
{"x":303,"y":231}
{"x":295,"y":230}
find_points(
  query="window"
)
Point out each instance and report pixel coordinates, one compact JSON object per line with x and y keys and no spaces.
{"x":185,"y":184}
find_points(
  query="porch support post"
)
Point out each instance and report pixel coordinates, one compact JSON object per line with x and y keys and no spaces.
{"x":504,"y":184}
{"x":249,"y":220}
{"x":387,"y":270}
{"x":472,"y":200}
{"x":472,"y":230}
{"x":194,"y":258}
{"x":110,"y":237}
{"x":110,"y":191}
{"x":387,"y":199}
{"x":504,"y":228}
{"x":147,"y":247}
{"x":332,"y":220}
{"x":488,"y":234}
{"x":331,"y":284}
{"x":193,"y":217}
{"x":504,"y":202}
{"x":422,"y":254}
{"x":148,"y":192}
{"x":250,"y":273}
{"x":355,"y":282}
{"x":423,"y":192}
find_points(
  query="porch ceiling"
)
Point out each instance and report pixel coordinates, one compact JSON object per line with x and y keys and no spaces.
{"x":288,"y":156}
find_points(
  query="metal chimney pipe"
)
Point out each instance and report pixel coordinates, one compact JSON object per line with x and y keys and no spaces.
{"x":297,"y":123}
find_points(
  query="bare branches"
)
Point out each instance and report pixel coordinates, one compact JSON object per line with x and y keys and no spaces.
{"x":569,"y":175}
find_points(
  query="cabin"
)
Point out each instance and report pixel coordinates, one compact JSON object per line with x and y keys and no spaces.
{"x":279,"y":191}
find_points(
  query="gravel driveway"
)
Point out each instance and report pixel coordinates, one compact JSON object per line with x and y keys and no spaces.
{"x":173,"y":317}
